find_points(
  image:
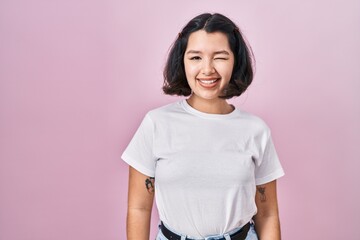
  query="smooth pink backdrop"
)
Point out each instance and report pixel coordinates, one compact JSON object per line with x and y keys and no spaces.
{"x":76,"y":78}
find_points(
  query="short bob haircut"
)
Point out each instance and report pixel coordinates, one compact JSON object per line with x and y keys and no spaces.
{"x":175,"y":82}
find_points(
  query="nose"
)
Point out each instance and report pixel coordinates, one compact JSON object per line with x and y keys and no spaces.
{"x":208,"y":68}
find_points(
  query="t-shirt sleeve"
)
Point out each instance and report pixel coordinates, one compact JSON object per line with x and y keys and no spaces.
{"x":139,"y":153}
{"x":267,"y":164}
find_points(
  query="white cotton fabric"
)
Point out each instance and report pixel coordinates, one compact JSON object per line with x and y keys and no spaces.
{"x":206,"y":166}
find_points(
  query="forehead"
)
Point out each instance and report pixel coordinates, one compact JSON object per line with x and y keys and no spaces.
{"x":204,"y":41}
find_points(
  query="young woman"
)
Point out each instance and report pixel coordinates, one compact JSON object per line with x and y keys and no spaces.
{"x":212,"y":167}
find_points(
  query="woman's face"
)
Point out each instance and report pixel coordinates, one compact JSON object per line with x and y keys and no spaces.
{"x":208,"y":62}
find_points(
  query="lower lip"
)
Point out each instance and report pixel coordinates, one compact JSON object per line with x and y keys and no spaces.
{"x":211,"y":85}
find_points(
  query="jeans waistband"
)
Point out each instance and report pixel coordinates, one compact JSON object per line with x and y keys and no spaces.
{"x":238,"y":235}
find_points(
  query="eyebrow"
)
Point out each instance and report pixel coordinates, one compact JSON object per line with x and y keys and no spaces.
{"x":217,"y":52}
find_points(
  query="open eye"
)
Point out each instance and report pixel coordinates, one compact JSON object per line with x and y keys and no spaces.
{"x":195,"y":58}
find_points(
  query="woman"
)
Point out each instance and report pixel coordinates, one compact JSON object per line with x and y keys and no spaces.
{"x":211,"y":166}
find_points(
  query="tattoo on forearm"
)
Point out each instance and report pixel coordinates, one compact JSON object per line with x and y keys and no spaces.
{"x":261,"y":190}
{"x":149,"y":183}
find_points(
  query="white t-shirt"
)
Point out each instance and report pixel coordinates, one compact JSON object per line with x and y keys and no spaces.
{"x":206,"y":166}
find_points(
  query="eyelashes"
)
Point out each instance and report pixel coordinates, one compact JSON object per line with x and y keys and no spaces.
{"x":199,"y":58}
{"x":195,"y":58}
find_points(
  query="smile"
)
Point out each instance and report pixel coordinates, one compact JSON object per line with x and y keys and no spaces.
{"x":208,"y":83}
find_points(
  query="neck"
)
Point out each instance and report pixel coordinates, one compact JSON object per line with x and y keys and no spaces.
{"x":212,"y":106}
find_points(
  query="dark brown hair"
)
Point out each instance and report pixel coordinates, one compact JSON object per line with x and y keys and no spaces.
{"x":175,"y":82}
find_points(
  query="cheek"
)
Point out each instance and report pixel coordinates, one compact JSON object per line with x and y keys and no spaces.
{"x":188,"y":74}
{"x":226,"y":71}
{"x":190,"y":70}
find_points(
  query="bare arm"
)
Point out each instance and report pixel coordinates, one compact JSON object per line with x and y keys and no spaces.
{"x":267,"y":223}
{"x":140,"y":202}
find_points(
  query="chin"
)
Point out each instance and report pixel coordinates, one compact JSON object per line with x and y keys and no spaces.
{"x":208,"y":97}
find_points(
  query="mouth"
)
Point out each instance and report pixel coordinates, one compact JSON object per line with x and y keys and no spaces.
{"x":208,"y":82}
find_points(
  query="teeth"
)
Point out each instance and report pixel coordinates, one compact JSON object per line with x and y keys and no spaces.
{"x":208,"y":81}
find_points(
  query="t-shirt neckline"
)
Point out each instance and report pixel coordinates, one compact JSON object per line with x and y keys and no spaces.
{"x":196,"y":112}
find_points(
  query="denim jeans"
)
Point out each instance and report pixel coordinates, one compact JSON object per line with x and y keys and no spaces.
{"x":250,"y":236}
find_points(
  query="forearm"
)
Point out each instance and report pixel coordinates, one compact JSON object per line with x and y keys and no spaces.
{"x":140,"y":202}
{"x":267,"y":227}
{"x":138,"y":224}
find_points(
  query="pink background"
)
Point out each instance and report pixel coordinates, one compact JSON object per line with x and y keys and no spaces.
{"x":78,"y":76}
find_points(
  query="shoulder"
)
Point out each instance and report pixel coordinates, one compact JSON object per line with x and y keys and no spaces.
{"x":254,"y":122}
{"x":165,"y":111}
